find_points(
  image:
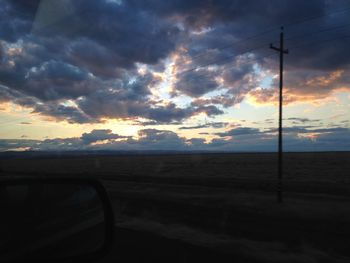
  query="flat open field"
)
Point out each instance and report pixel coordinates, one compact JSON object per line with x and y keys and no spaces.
{"x":225,"y":201}
{"x":329,"y":166}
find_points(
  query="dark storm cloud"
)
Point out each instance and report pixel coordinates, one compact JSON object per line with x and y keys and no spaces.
{"x":77,"y":49}
{"x":62,"y":112}
{"x":99,"y":60}
{"x":207,"y":11}
{"x":100,"y":105}
{"x":209,"y":110}
{"x":263,"y":15}
{"x":306,"y":61}
{"x":27,"y":67}
{"x":169,"y":112}
{"x":196,"y":83}
{"x":7,"y":94}
{"x":16,"y":18}
{"x":130,"y":104}
{"x":235,"y":81}
{"x":135,"y":36}
{"x":239,"y":81}
{"x":52,"y":109}
{"x":99,"y":42}
{"x":85,"y":51}
{"x":235,"y":74}
{"x":57,"y":80}
{"x":125,"y":100}
{"x":231,"y":20}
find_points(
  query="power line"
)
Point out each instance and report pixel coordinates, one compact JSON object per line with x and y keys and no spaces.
{"x":220,"y":60}
{"x":276,"y":28}
{"x":266,"y":32}
{"x":239,"y":41}
{"x":270,"y":55}
{"x":317,"y":32}
{"x":320,"y":42}
{"x":346,"y":9}
{"x":251,"y":59}
{"x":264,"y":45}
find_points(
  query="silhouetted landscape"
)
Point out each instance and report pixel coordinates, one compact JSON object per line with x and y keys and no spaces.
{"x":223,"y":201}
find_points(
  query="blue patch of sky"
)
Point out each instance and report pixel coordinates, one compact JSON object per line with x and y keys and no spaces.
{"x":182,"y":101}
{"x":266,"y":82}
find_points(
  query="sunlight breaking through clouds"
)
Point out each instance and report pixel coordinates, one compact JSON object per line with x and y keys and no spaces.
{"x":124,"y":65}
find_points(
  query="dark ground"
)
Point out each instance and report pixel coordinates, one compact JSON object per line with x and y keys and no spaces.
{"x":329,"y":166}
{"x":225,"y":202}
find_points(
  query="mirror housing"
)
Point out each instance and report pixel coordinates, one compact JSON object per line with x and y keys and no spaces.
{"x":54,"y":219}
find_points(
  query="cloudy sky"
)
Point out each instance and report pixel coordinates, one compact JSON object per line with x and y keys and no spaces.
{"x":173,"y":75}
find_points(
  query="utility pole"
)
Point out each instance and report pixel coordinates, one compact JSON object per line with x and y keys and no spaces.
{"x":282,"y":51}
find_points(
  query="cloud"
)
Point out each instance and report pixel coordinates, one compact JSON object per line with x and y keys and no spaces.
{"x":302,"y":120}
{"x":105,"y":104}
{"x":196,"y":83}
{"x":54,"y":109}
{"x":215,"y":125}
{"x":239,"y":131}
{"x":308,"y":69}
{"x":305,"y":86}
{"x":12,"y":144}
{"x":100,"y":135}
{"x":239,"y":139}
{"x":56,"y":80}
{"x":79,"y":63}
{"x":153,"y":123}
{"x":76,"y":56}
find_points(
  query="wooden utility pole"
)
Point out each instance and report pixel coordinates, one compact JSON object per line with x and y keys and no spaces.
{"x":282,"y":51}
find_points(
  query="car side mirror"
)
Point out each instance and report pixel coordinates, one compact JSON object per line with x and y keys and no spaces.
{"x":51,"y":219}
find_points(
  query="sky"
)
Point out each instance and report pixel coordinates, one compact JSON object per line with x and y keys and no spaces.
{"x":195,"y":75}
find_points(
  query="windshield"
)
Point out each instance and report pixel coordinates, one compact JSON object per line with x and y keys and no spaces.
{"x":223,"y":121}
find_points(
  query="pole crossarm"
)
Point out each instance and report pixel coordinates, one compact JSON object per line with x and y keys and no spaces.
{"x":285,"y":51}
